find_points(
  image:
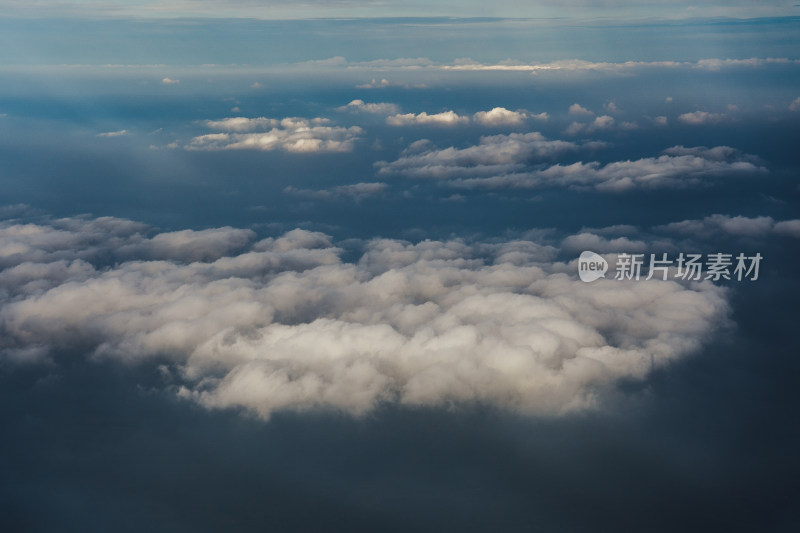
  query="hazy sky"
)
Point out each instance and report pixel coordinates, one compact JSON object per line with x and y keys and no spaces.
{"x":271,"y":9}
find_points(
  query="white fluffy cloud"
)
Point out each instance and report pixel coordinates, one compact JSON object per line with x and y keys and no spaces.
{"x":602,"y":122}
{"x":285,"y":324}
{"x":495,"y":117}
{"x":445,"y":118}
{"x":795,"y":105}
{"x":577,"y":109}
{"x":500,"y":116}
{"x":495,"y":154}
{"x":289,"y":134}
{"x":697,"y":118}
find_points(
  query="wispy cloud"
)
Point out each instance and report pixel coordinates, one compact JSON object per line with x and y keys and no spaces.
{"x":504,"y":162}
{"x":356,"y":191}
{"x":380,"y":108}
{"x":118,"y":133}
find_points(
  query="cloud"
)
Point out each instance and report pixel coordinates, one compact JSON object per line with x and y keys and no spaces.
{"x":296,"y":135}
{"x":702,"y":117}
{"x":495,"y":117}
{"x":599,"y":244}
{"x":240,"y":124}
{"x":377,"y":108}
{"x":603,"y":122}
{"x":374,"y":84}
{"x":356,"y":191}
{"x":740,"y":226}
{"x":500,"y":116}
{"x":577,"y":109}
{"x":285,"y":324}
{"x":507,"y":161}
{"x":673,"y":169}
{"x":795,"y":105}
{"x":788,"y":227}
{"x":168,"y":81}
{"x":445,"y":118}
{"x":579,"y":65}
{"x":118,"y":133}
{"x":494,"y":154}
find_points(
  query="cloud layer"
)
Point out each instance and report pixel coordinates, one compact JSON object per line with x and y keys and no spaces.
{"x":509,"y":161}
{"x":284,"y":323}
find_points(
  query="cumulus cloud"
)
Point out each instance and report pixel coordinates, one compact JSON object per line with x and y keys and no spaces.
{"x":375,"y":84}
{"x":697,"y":118}
{"x":795,"y":105}
{"x":494,"y":154}
{"x":495,"y":117}
{"x":603,"y":122}
{"x":500,"y":116}
{"x":382,"y":108}
{"x":445,"y":118}
{"x":169,"y":81}
{"x":285,"y":324}
{"x":356,"y":191}
{"x":597,"y":243}
{"x":289,"y":134}
{"x":577,"y":109}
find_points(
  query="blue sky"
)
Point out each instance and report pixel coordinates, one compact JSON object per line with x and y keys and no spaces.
{"x":314,"y":266}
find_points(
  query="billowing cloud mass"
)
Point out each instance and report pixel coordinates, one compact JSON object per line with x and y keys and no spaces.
{"x":445,"y":118}
{"x":284,"y":323}
{"x":504,"y":161}
{"x":500,"y":116}
{"x":288,"y":134}
{"x":495,"y":154}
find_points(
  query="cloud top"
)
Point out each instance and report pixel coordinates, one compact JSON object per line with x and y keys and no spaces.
{"x":284,"y":323}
